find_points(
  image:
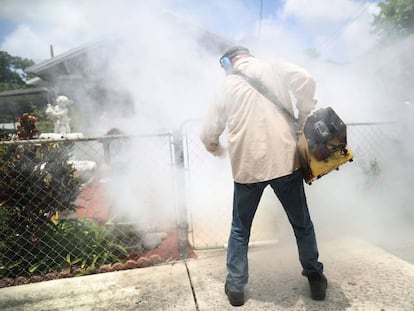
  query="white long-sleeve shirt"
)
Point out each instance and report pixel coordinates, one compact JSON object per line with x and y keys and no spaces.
{"x":261,"y":138}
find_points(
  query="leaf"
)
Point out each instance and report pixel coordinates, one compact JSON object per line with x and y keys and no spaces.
{"x":15,"y":264}
{"x":95,"y":258}
{"x":34,"y":267}
{"x":84,"y":263}
{"x":76,"y":261}
{"x":120,"y":247}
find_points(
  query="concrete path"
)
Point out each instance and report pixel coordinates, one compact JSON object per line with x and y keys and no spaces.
{"x":361,"y":277}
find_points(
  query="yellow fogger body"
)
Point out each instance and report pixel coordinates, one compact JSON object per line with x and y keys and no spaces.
{"x":323,"y":145}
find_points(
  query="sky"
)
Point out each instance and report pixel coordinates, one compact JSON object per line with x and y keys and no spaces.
{"x":340,"y":31}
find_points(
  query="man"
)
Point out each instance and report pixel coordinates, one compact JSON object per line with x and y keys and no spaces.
{"x":262,"y":149}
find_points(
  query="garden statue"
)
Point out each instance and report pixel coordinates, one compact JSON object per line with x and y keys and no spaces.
{"x":59,"y":115}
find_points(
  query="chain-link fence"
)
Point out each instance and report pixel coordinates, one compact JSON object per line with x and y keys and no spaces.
{"x":89,"y":205}
{"x":70,"y":207}
{"x":210,"y":195}
{"x":373,"y":143}
{"x":210,"y":185}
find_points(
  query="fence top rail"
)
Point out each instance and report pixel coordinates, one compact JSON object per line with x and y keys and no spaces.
{"x":347,"y":123}
{"x":371,"y":123}
{"x":80,"y":139}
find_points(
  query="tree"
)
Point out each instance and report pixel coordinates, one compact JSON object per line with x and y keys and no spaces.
{"x":395,"y":19}
{"x":12,"y":75}
{"x":395,"y":26}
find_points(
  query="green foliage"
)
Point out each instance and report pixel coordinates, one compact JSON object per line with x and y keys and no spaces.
{"x":37,"y":177}
{"x":75,"y":243}
{"x":35,"y":183}
{"x":12,"y":75}
{"x":37,"y":186}
{"x":43,"y":124}
{"x":395,"y":19}
{"x":29,"y":125}
{"x":66,"y":243}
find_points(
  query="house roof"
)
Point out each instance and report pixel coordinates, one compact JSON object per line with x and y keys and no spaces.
{"x":60,"y":64}
{"x":69,"y":62}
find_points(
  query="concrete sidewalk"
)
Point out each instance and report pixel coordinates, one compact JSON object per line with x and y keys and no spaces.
{"x":361,"y":277}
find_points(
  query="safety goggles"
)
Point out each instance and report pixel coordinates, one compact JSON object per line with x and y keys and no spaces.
{"x":226,"y":63}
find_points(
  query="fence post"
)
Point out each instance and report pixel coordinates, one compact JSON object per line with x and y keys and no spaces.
{"x":182,"y":223}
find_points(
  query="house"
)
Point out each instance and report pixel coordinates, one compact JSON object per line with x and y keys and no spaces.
{"x":81,"y":75}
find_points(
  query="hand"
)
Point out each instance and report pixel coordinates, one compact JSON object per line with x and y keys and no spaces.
{"x":220,"y":151}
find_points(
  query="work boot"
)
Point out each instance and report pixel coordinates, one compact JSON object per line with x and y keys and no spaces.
{"x":236,"y":298}
{"x":318,"y":284}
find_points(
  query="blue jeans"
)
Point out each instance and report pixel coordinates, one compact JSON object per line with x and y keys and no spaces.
{"x":291,"y":194}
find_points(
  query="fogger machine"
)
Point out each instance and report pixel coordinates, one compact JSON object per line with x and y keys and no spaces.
{"x":323,"y":144}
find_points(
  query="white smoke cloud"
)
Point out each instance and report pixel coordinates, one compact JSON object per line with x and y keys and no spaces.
{"x":172,"y":80}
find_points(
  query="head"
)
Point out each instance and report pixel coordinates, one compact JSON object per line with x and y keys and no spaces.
{"x":62,"y":101}
{"x":232,"y":54}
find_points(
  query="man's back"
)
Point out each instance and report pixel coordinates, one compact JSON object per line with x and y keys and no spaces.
{"x":261,"y":138}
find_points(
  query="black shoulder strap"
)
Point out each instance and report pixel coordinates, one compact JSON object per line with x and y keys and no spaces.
{"x":258,"y":86}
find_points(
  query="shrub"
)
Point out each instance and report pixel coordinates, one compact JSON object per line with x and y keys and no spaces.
{"x":76,"y":243}
{"x":26,"y":129}
{"x":36,"y":182}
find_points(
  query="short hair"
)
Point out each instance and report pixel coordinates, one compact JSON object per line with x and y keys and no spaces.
{"x":236,"y":50}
